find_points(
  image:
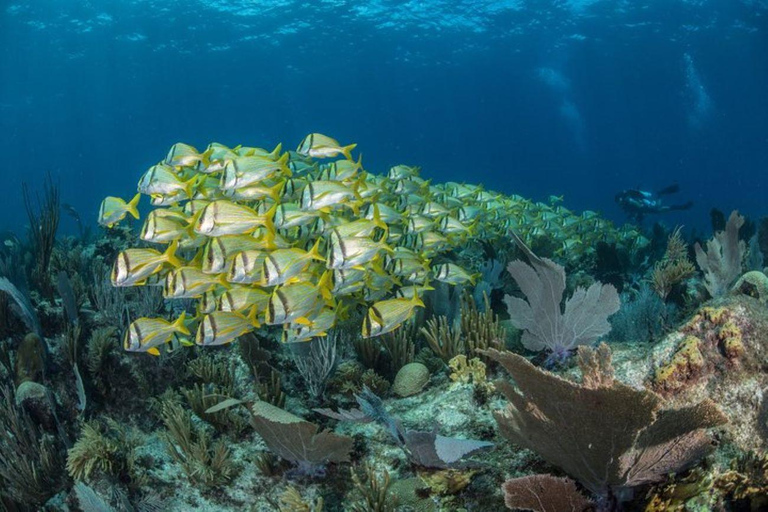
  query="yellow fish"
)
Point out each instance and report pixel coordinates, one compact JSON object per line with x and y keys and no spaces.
{"x":146,"y":334}
{"x":227,"y":218}
{"x":295,"y":302}
{"x":251,"y":170}
{"x":184,"y":155}
{"x":387,"y":315}
{"x":190,"y":282}
{"x":133,"y":266}
{"x":295,"y":333}
{"x":318,"y":145}
{"x":163,"y":180}
{"x":114,"y":209}
{"x":222,"y":327}
{"x":283,"y":264}
{"x":247,"y":267}
{"x":240,"y":298}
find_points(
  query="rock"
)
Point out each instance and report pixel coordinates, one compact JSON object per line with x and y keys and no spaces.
{"x":33,"y":397}
{"x":30,"y":359}
{"x":410,"y":379}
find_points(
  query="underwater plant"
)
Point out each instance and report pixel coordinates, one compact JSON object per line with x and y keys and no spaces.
{"x":31,"y":460}
{"x":205,"y":461}
{"x":721,"y":263}
{"x":607,"y":435}
{"x":582,"y":321}
{"x":43,"y":224}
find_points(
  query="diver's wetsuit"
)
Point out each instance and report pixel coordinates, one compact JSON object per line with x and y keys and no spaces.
{"x":637,"y":203}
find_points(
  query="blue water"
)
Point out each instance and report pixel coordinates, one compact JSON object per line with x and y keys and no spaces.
{"x":536,"y":98}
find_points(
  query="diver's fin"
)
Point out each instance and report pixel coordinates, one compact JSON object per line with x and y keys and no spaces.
{"x":686,"y":206}
{"x":672,"y":189}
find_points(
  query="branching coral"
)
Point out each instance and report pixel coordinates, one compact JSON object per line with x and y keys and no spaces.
{"x":444,"y":339}
{"x":206,"y":462}
{"x":373,"y":491}
{"x":108,"y":450}
{"x":481,"y":329}
{"x":674,"y":267}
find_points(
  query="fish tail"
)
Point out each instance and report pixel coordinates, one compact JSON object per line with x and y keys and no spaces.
{"x":189,"y":186}
{"x":170,"y":255}
{"x":416,"y":301}
{"x":132,"y":206}
{"x":252,"y":318}
{"x":314,"y":252}
{"x":347,"y":151}
{"x":178,"y":325}
{"x":325,"y":285}
{"x":205,"y":157}
{"x":277,"y":191}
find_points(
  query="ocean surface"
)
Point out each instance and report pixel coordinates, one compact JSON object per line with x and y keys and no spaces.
{"x":574,"y":98}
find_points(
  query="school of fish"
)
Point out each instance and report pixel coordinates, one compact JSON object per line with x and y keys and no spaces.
{"x":300,"y":239}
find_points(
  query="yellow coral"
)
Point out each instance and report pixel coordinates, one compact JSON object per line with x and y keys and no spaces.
{"x":448,"y":482}
{"x":715,"y":315}
{"x":467,"y":371}
{"x":731,"y":340}
{"x":686,"y":363}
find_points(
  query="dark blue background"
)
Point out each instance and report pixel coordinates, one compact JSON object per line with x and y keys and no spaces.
{"x":96,"y":93}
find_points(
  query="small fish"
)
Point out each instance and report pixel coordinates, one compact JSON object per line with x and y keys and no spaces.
{"x":251,"y":170}
{"x":281,"y":265}
{"x":352,"y":252}
{"x":328,"y":195}
{"x":289,"y":215}
{"x":295,"y":302}
{"x":184,"y":155}
{"x":163,"y":180}
{"x":241,"y":298}
{"x":114,"y":209}
{"x":451,"y":273}
{"x":401,"y":172}
{"x":133,"y":266}
{"x":228,"y":218}
{"x":190,"y":282}
{"x":247,"y":267}
{"x":387,"y":315}
{"x":222,"y":327}
{"x":297,"y":333}
{"x":165,"y":226}
{"x":257,"y":192}
{"x":318,"y":145}
{"x":146,"y":334}
{"x":348,"y":281}
{"x":341,"y":170}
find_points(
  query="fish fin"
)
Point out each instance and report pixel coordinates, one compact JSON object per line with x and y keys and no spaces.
{"x":377,"y":220}
{"x":252,"y":316}
{"x":131,"y":207}
{"x":303,"y":321}
{"x":416,"y":301}
{"x":325,"y":285}
{"x":314,"y":252}
{"x":170,"y":255}
{"x":283,"y":163}
{"x":205,"y":157}
{"x":179,"y":326}
{"x":276,"y":191}
{"x":347,"y":151}
{"x":154,"y":351}
{"x":185,"y":342}
{"x":276,"y":151}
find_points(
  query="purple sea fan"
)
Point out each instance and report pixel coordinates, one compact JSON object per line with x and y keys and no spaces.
{"x":548,"y":326}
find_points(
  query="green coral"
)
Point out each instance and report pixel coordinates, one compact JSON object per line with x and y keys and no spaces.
{"x":106,"y":450}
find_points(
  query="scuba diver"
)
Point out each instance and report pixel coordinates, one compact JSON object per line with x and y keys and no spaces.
{"x":637,"y":203}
